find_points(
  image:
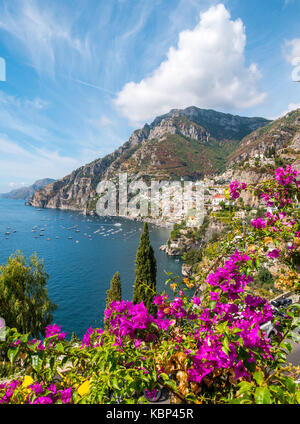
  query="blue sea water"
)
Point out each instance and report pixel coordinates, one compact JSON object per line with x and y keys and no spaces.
{"x":81,"y":254}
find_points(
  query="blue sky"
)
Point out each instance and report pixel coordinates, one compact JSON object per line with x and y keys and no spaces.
{"x":82,"y":75}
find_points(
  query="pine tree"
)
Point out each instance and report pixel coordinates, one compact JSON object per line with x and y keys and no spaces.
{"x":145,"y":273}
{"x":114,"y":294}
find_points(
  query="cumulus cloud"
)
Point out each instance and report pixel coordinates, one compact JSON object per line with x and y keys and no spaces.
{"x":206,"y":69}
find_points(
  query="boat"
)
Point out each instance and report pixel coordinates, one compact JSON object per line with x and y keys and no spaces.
{"x":7,"y":233}
{"x":70,"y":238}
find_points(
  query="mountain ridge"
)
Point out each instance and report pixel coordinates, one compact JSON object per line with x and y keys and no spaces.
{"x":182,"y":143}
{"x":25,"y":193}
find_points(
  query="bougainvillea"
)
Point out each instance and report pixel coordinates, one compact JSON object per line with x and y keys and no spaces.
{"x":210,"y":346}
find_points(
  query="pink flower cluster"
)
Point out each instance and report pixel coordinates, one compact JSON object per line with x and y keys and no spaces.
{"x":87,"y":338}
{"x":235,"y":189}
{"x":286,"y":176}
{"x":244,"y":318}
{"x":259,"y":223}
{"x":128,"y":320}
{"x":229,"y":278}
{"x":43,"y":394}
{"x":55,"y":330}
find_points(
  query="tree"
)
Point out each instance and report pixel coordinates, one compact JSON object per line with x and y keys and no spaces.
{"x":145,"y":273}
{"x":264,"y":277}
{"x":24,"y":301}
{"x":114,"y":293}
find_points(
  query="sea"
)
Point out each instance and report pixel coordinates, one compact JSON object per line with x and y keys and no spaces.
{"x":81,"y":254}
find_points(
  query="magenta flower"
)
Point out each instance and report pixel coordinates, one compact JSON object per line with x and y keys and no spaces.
{"x":274,"y":253}
{"x":258,"y":223}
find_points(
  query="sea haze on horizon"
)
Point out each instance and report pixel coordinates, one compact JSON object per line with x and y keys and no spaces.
{"x":80,"y":268}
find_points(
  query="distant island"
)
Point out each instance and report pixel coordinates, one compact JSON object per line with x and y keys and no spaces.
{"x":25,"y":193}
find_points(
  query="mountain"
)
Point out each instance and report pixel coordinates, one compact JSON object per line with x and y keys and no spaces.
{"x":278,"y":139}
{"x":264,"y":150}
{"x":190,"y":143}
{"x":25,"y":193}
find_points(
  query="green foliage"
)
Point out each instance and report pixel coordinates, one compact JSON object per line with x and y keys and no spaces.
{"x":24,"y":301}
{"x":176,"y":230}
{"x":145,"y":281}
{"x":192,"y":257}
{"x":114,"y":294}
{"x":264,"y":277}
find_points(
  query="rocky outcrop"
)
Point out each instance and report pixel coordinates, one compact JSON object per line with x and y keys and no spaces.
{"x":176,"y":125}
{"x":187,"y":270}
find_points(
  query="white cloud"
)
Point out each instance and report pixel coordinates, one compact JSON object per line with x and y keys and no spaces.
{"x":290,"y":108}
{"x":206,"y":69}
{"x":46,"y":35}
{"x":22,"y":115}
{"x":34,"y":163}
{"x":291,"y":50}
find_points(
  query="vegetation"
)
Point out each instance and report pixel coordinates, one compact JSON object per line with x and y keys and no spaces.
{"x":24,"y":301}
{"x":114,"y":294}
{"x":145,"y":273}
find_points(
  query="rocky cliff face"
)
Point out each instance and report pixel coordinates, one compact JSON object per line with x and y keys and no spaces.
{"x":188,"y":143}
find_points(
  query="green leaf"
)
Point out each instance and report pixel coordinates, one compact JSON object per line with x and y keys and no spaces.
{"x":226,"y":345}
{"x":172,"y":385}
{"x":245,"y":387}
{"x":262,"y":396}
{"x":258,"y":377}
{"x":12,"y":353}
{"x":291,"y":385}
{"x":212,"y":304}
{"x":59,"y":347}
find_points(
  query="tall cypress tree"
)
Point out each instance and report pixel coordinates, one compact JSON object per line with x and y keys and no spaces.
{"x":145,"y":273}
{"x":115,"y":292}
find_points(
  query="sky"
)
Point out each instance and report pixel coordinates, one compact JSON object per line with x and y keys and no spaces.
{"x":78,"y":76}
